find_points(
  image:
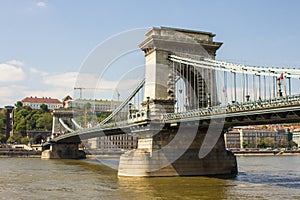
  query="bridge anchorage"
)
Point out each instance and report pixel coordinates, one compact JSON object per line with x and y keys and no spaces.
{"x":189,"y":101}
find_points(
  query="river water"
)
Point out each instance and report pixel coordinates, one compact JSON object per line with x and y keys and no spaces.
{"x":266,"y":177}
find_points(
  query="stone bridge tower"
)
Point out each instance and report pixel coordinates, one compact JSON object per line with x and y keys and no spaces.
{"x":160,"y":43}
{"x":65,"y":116}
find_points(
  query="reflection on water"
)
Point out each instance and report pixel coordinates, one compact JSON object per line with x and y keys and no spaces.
{"x":259,"y":178}
{"x":278,"y":171}
{"x":289,"y":181}
{"x":173,"y":188}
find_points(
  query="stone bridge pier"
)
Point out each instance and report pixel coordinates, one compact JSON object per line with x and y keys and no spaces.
{"x":63,"y":151}
{"x":164,"y":155}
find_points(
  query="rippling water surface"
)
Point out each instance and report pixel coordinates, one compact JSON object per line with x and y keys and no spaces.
{"x":259,"y":178}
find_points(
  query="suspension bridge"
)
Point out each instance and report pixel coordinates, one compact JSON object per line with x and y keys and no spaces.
{"x":185,"y":103}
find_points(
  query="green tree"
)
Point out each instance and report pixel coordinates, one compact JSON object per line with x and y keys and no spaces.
{"x":269,"y":142}
{"x":292,"y":144}
{"x":26,"y":110}
{"x":2,"y":121}
{"x":262,"y":144}
{"x":101,"y":116}
{"x":44,"y":108}
{"x":26,"y":119}
{"x":2,"y":138}
{"x":284,"y":143}
{"x":19,"y":105}
{"x":14,"y":139}
{"x":245,"y":144}
{"x":11,"y":139}
{"x":44,"y":122}
{"x":264,"y":127}
{"x":21,"y":126}
{"x":30,"y":119}
{"x":25,"y":140}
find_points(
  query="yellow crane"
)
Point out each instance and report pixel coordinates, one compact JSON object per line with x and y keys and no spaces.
{"x":85,"y":107}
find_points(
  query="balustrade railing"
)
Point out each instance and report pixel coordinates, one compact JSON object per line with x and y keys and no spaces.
{"x":236,"y":107}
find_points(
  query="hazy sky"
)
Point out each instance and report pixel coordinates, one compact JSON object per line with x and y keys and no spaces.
{"x":44,"y":43}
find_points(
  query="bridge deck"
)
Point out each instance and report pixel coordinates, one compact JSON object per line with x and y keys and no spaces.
{"x":279,"y":110}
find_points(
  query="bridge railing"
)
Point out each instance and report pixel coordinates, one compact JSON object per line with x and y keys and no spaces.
{"x":236,"y":107}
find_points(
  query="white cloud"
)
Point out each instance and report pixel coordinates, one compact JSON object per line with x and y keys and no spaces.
{"x":12,"y":93}
{"x":15,"y":63}
{"x":11,"y":73}
{"x":37,"y":72}
{"x":15,"y":83}
{"x":66,"y":79}
{"x":41,"y":4}
{"x":109,"y":89}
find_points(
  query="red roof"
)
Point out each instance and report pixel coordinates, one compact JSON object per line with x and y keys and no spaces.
{"x":234,"y":131}
{"x":41,"y":100}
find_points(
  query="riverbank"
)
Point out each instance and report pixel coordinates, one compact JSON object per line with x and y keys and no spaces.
{"x":9,"y":152}
{"x":105,"y":155}
{"x":265,"y":153}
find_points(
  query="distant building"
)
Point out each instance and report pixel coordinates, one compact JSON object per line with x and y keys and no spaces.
{"x":113,"y":143}
{"x":96,"y":105}
{"x":232,"y":139}
{"x":296,"y":136}
{"x":36,"y":102}
{"x":66,"y":100}
{"x":118,"y":142}
{"x":281,"y":136}
{"x":251,"y":136}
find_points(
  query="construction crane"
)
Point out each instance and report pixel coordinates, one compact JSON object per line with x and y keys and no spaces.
{"x":85,"y":108}
{"x":84,"y":88}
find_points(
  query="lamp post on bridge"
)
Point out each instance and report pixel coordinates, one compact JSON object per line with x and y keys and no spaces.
{"x":279,"y":93}
{"x":247,"y":97}
{"x":208,"y":100}
{"x":148,"y":108}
